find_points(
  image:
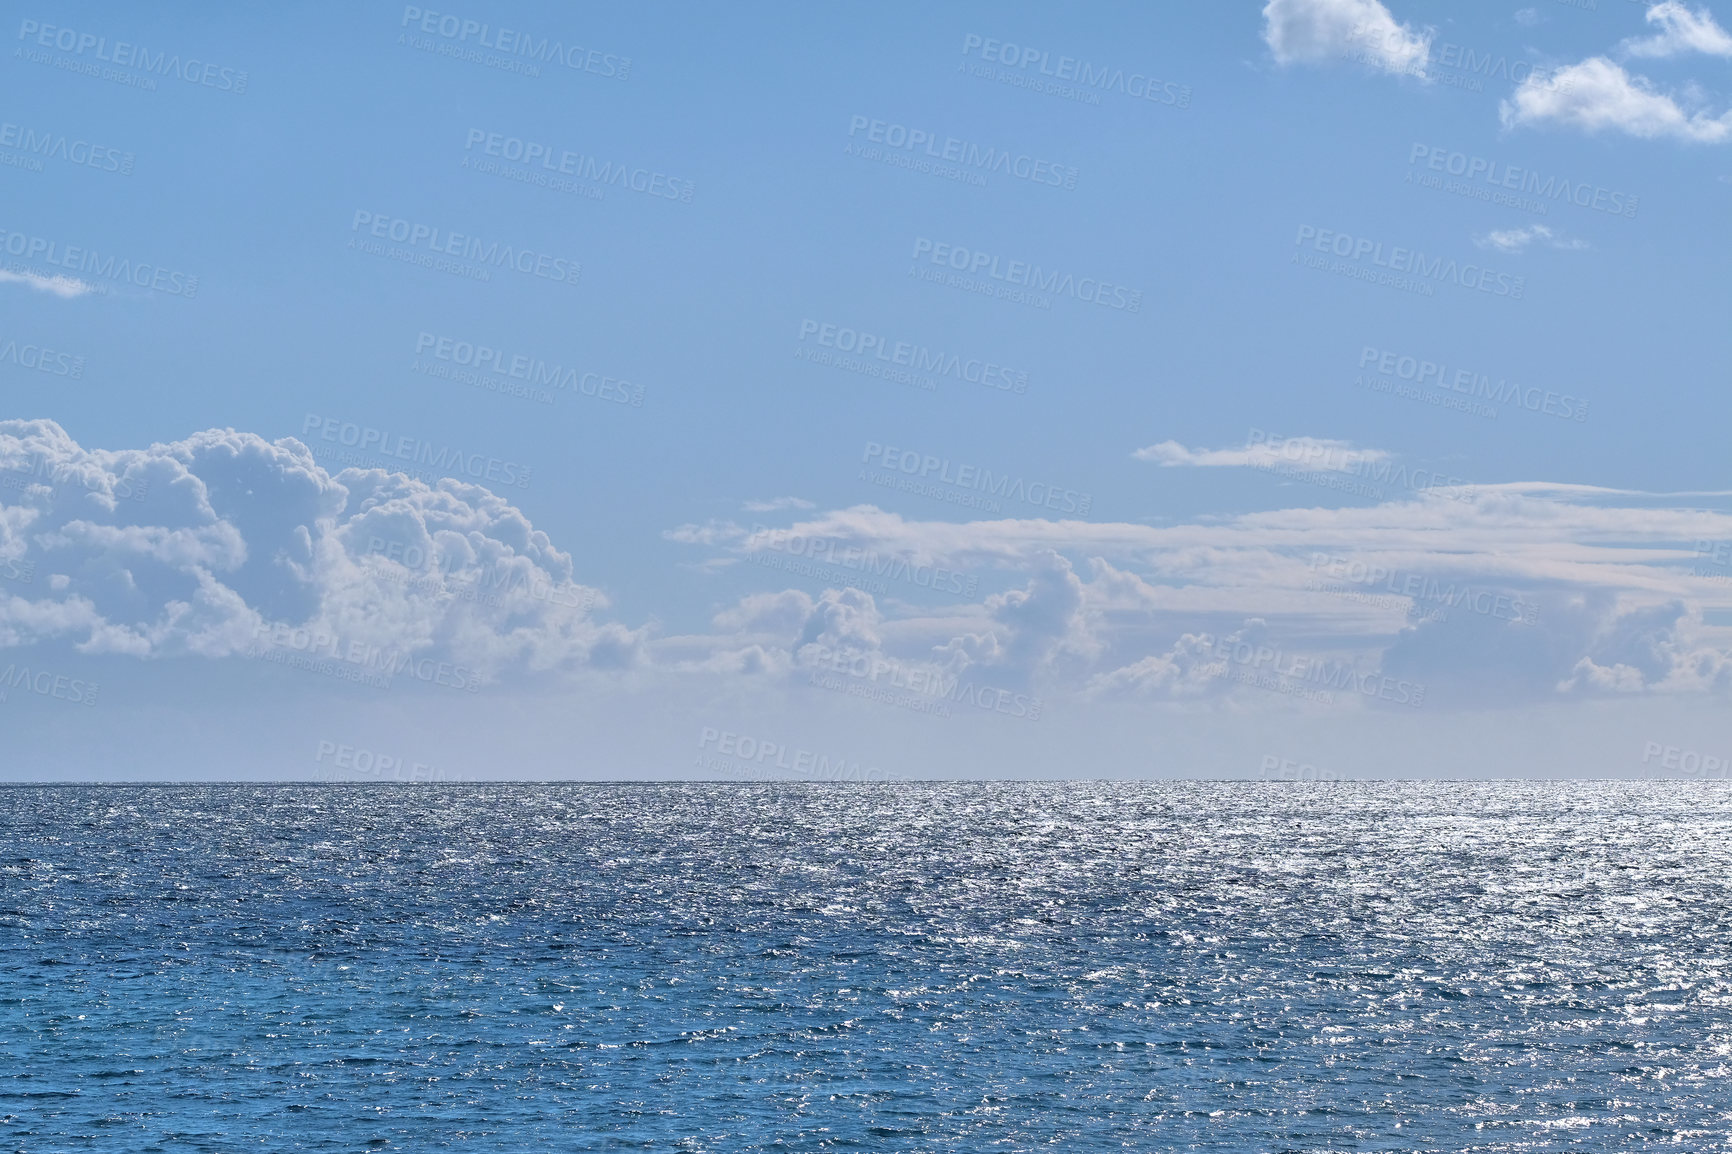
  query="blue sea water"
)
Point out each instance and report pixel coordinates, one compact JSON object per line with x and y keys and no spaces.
{"x":945,"y":967}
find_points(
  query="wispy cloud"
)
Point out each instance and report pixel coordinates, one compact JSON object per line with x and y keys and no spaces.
{"x":1312,"y":453}
{"x":64,"y":287}
{"x":777,"y":504}
{"x":1518,"y":239}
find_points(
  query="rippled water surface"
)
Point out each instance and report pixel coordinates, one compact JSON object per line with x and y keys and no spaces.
{"x":1253,"y":967}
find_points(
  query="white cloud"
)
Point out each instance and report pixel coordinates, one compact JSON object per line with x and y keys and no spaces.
{"x":1518,"y":239}
{"x":64,"y":287}
{"x":1648,"y":649}
{"x":191,"y":548}
{"x":777,"y":504}
{"x":711,"y":533}
{"x":1188,"y":669}
{"x":203,"y":546}
{"x":1598,"y":95}
{"x":767,"y":613}
{"x":1681,"y":31}
{"x":1317,"y":31}
{"x":1311,"y":454}
{"x":1600,"y":576}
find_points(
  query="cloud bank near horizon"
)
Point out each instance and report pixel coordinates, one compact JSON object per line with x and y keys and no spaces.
{"x":222,"y":543}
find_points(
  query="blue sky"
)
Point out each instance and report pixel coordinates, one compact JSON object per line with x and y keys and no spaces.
{"x":1323,"y":383}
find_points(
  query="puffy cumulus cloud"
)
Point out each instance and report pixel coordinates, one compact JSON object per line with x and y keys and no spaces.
{"x":844,"y":633}
{"x":1038,"y":629}
{"x":1258,"y":661}
{"x":1035,"y":632}
{"x":842,"y":619}
{"x":1318,"y":31}
{"x":1497,"y":598}
{"x":1021,"y":635}
{"x":773,"y":614}
{"x":1681,"y":31}
{"x":1598,"y":95}
{"x":1187,"y":670}
{"x":1652,"y":649}
{"x":1581,"y":643}
{"x":223,"y":542}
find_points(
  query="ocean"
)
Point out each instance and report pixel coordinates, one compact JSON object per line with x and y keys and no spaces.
{"x":1208,"y":966}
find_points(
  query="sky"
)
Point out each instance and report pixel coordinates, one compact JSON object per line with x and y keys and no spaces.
{"x":1313,"y":390}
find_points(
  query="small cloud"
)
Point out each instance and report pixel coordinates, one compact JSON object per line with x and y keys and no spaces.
{"x":1598,"y":94}
{"x":777,"y":504}
{"x":1681,"y":31}
{"x":64,"y":287}
{"x":1527,"y":17}
{"x":712,"y":533}
{"x":1311,"y":453}
{"x":1317,"y":31}
{"x":1518,"y":239}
